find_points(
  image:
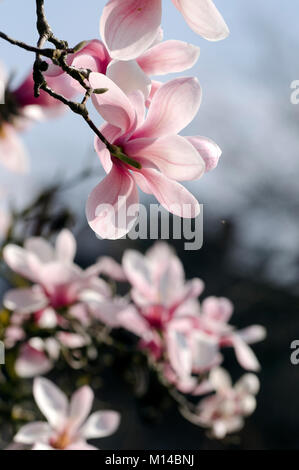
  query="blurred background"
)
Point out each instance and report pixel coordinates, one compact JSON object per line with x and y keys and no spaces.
{"x":251,"y":214}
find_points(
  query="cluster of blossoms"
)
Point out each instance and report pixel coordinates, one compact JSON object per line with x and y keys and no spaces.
{"x":61,"y":308}
{"x":143,"y":150}
{"x":183,"y":338}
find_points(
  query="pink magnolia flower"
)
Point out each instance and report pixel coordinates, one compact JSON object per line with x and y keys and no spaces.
{"x":148,"y":152}
{"x":58,"y":282}
{"x":214,"y":318}
{"x":159,"y":288}
{"x":129,"y":27}
{"x":159,"y":291}
{"x":194,"y":341}
{"x":68,"y":426}
{"x":189,"y":353}
{"x":224,"y":412}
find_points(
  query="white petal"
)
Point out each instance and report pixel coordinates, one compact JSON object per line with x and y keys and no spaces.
{"x":51,"y":401}
{"x":101,"y":424}
{"x":33,"y":432}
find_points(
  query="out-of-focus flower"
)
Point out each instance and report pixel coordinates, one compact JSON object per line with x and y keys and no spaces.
{"x":59,"y":297}
{"x":148,"y":153}
{"x":58,"y":282}
{"x":194,"y":341}
{"x":129,"y":27}
{"x":68,"y":426}
{"x":184,"y":336}
{"x":159,"y":292}
{"x":224,"y":412}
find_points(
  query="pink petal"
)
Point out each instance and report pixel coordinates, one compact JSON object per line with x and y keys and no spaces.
{"x":25,"y":300}
{"x":65,"y":246}
{"x":220,"y":379}
{"x":101,"y":424}
{"x":174,"y":106}
{"x":47,"y":318}
{"x":248,"y":383}
{"x":80,"y":407}
{"x":173,"y":196}
{"x":253,"y":334}
{"x":114,"y":106}
{"x":138,"y":273}
{"x":107,"y":205}
{"x":109,"y":267}
{"x":32,"y":362}
{"x":40,"y":248}
{"x":203,"y":17}
{"x":137,"y":100}
{"x":19,"y":260}
{"x":129,"y":27}
{"x":207,"y":149}
{"x":205,"y":351}
{"x":111,"y":133}
{"x":218,"y":309}
{"x":12,"y":151}
{"x":244,"y":353}
{"x":168,"y":57}
{"x":173,"y":155}
{"x":129,"y":77}
{"x":103,"y":153}
{"x":132,"y":321}
{"x":51,"y":401}
{"x":179,"y":353}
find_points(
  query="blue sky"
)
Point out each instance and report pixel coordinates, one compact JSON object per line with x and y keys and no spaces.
{"x":246,"y":109}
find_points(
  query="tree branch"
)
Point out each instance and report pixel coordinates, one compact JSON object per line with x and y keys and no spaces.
{"x":58,"y":57}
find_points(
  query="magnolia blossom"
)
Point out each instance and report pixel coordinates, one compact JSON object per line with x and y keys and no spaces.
{"x":59,"y":286}
{"x":68,"y":425}
{"x":185,"y":337}
{"x":57,"y":281}
{"x":194,"y":341}
{"x":129,"y":27}
{"x":147,"y":152}
{"x":159,"y":292}
{"x":224,"y":412}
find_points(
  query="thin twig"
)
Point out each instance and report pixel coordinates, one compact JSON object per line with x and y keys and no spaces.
{"x":45,"y":52}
